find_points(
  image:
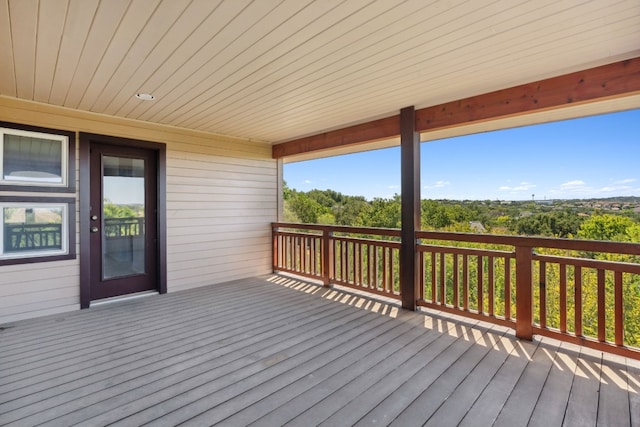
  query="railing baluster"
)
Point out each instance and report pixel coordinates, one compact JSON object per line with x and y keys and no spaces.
{"x":343,"y":260}
{"x":563,"y":298}
{"x":465,"y":282}
{"x":361,"y":265}
{"x":480,"y":277}
{"x":352,"y":267}
{"x":356,"y":266}
{"x":577,"y":279}
{"x":619,"y":305}
{"x":299,"y":261}
{"x":287,"y":256}
{"x":490,"y":285}
{"x":434,"y":275}
{"x":443,"y":279}
{"x":392,"y":275}
{"x":375,"y":267}
{"x":303,"y":254}
{"x":543,"y":294}
{"x":602,"y":335}
{"x":507,"y":288}
{"x":421,"y":281}
{"x":384,"y":270}
{"x":456,"y":301}
{"x":347,"y":260}
{"x":334,"y":257}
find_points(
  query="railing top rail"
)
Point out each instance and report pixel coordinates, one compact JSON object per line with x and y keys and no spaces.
{"x":468,"y":251}
{"x":497,"y":239}
{"x":624,"y":267}
{"x":393,"y":232}
{"x":534,"y":242}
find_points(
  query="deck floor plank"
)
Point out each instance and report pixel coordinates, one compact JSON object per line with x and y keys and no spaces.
{"x":421,"y":368}
{"x":182,"y":354}
{"x":171,"y":383}
{"x":453,"y":409}
{"x":633,"y":389}
{"x":59,"y":358}
{"x":360,"y":359}
{"x":582,"y":407}
{"x":490,"y":402}
{"x":427,"y":392}
{"x":311,"y":406}
{"x":198,"y":400}
{"x":77,"y":370}
{"x":522,"y":400}
{"x":613,"y":406}
{"x":314,"y":370}
{"x":277,"y":350}
{"x":552,"y":404}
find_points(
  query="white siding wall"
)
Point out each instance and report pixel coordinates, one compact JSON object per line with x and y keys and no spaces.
{"x":221,"y":198}
{"x":219,"y":209}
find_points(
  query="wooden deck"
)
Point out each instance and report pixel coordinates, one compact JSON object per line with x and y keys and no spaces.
{"x":278,"y":351}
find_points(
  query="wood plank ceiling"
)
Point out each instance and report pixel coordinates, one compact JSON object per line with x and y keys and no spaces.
{"x":277,"y":70}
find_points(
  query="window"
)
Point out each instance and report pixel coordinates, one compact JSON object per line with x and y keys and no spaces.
{"x":36,"y":225}
{"x":36,"y":159}
{"x":36,"y":231}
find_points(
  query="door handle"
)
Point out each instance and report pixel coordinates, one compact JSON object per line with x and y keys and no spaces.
{"x":94,"y":229}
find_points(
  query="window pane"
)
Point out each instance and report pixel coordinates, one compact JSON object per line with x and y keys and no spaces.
{"x":123,"y":251}
{"x":32,"y":159}
{"x":32,"y":229}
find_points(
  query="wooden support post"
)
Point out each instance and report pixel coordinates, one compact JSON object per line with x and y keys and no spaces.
{"x":410,"y":171}
{"x":524,"y":295}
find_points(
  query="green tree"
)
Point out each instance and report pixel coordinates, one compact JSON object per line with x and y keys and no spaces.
{"x":605,"y":227}
{"x":352,"y":211}
{"x":112,"y":210}
{"x":384,"y":213}
{"x":306,"y":208}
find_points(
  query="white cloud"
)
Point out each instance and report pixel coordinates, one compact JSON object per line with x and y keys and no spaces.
{"x":438,"y":184}
{"x":625,"y":181}
{"x":523,"y":186}
{"x":306,"y":181}
{"x":572,"y":184}
{"x":393,"y":187}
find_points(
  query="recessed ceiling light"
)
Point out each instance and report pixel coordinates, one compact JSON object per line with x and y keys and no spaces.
{"x":145,"y":96}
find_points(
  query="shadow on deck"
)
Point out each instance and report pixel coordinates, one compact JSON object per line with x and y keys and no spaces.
{"x":277,"y":350}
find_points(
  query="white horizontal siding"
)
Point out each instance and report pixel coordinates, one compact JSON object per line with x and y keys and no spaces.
{"x":31,"y":290}
{"x":216,"y":216}
{"x":221,"y":199}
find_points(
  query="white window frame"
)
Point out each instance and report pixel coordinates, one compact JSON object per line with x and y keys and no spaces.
{"x":64,"y":230}
{"x":34,"y":182}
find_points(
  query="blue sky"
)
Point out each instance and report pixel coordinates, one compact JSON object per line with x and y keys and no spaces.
{"x":589,"y":157}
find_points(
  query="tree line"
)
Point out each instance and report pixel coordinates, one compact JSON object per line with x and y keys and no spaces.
{"x":520,"y":218}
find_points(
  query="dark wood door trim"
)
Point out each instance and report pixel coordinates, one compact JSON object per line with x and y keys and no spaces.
{"x":85,"y":237}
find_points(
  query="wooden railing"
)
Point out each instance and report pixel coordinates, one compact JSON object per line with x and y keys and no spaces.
{"x":361,"y":258}
{"x":537,"y":286}
{"x":32,"y":237}
{"x":123,"y":227}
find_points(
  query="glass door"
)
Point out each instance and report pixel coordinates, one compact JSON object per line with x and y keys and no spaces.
{"x":123,"y":223}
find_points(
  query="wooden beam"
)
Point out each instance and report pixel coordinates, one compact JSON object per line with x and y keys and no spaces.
{"x":376,"y":130}
{"x":410,"y":207}
{"x":596,"y":84}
